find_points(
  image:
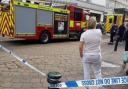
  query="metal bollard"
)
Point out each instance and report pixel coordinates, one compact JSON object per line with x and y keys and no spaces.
{"x":53,"y":78}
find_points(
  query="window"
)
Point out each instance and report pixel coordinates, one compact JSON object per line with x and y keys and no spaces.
{"x":110,"y":20}
{"x":78,"y":14}
{"x":87,"y":17}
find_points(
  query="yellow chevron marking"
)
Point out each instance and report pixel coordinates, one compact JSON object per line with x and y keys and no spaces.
{"x":7,"y":21}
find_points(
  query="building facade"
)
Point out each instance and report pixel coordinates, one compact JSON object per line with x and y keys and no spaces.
{"x":118,"y":7}
{"x":112,"y":4}
{"x":97,"y":8}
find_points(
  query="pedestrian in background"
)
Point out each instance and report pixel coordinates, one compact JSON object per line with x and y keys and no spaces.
{"x":90,"y":51}
{"x":112,"y":33}
{"x":125,"y":57}
{"x":126,"y":38}
{"x":120,"y":36}
{"x":121,"y":32}
{"x":99,"y":26}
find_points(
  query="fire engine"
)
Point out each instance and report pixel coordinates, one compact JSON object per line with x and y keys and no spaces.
{"x":113,"y":19}
{"x":32,"y":21}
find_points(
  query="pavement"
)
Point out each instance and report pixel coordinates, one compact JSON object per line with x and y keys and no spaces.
{"x":61,"y":56}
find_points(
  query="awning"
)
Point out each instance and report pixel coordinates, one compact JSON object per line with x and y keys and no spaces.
{"x":121,"y":11}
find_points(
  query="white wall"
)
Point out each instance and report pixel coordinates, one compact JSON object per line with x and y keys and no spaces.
{"x":99,"y":2}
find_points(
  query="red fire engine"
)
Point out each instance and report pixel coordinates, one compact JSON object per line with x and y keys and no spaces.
{"x":32,"y":21}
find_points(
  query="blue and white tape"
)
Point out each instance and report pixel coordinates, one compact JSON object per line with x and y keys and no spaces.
{"x":74,"y":84}
{"x":21,"y":60}
{"x":92,"y":82}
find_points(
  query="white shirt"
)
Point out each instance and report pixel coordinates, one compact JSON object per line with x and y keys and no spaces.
{"x":92,"y":40}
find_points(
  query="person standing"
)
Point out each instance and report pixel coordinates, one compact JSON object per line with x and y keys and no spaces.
{"x":120,"y":36}
{"x":121,"y":32}
{"x":112,"y":33}
{"x":99,"y":26}
{"x":126,"y":38}
{"x":126,"y":49}
{"x":90,"y":51}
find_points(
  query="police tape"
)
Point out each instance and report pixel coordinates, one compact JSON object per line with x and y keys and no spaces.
{"x":21,"y":60}
{"x":74,"y":84}
{"x":92,"y":82}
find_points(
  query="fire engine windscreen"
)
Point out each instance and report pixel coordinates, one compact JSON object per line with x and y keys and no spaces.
{"x":78,"y":14}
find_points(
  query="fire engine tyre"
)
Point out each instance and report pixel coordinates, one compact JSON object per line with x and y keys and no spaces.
{"x":76,"y":37}
{"x":45,"y":38}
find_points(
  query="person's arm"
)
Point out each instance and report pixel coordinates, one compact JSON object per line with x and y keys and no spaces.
{"x":126,"y":36}
{"x":82,"y":44}
{"x":81,"y":47}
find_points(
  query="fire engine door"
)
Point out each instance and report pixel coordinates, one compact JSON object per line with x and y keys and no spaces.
{"x":60,"y":23}
{"x":119,"y":20}
{"x":109,"y":22}
{"x":25,"y":20}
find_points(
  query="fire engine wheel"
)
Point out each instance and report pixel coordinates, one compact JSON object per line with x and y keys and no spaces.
{"x":44,"y":38}
{"x":76,"y":37}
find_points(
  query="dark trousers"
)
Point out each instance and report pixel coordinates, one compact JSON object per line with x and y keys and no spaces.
{"x":126,"y":46}
{"x":111,"y":37}
{"x":121,"y":38}
{"x":116,"y":44}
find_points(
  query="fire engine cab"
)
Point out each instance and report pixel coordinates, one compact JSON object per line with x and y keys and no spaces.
{"x":32,"y":21}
